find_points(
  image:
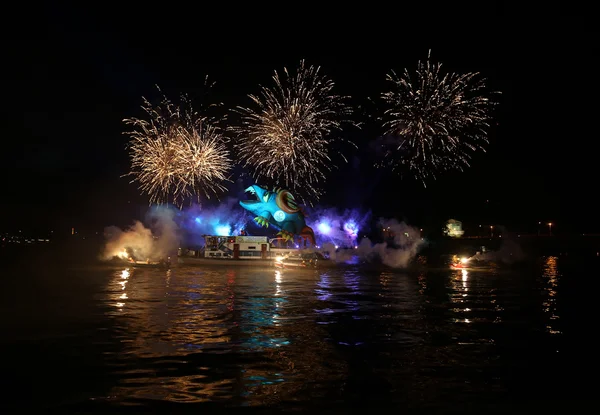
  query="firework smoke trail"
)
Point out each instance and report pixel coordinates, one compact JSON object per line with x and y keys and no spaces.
{"x":287,"y":137}
{"x":433,"y":121}
{"x":177,"y":153}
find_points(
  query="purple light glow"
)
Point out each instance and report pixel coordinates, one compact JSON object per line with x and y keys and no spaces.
{"x":224,"y":219}
{"x":351,"y":229}
{"x":324,"y":228}
{"x":338,"y":228}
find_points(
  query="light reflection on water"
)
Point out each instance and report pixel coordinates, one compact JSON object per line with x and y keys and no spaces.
{"x":550,"y":275}
{"x":262,"y":336}
{"x":121,"y":283}
{"x":178,"y":328}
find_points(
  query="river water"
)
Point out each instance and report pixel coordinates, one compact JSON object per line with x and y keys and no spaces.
{"x":99,"y":338}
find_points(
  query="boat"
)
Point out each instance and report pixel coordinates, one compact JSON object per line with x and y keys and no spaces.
{"x":296,"y":261}
{"x":471,"y":264}
{"x":303,"y":260}
{"x":459,"y":262}
{"x":243,"y":250}
{"x":150,"y":264}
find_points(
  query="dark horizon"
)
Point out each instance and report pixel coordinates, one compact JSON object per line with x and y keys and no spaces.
{"x":83,"y":73}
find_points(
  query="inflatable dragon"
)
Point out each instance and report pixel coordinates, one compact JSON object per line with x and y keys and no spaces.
{"x":278,"y":208}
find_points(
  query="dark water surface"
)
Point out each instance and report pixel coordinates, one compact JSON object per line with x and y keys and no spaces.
{"x":90,"y":338}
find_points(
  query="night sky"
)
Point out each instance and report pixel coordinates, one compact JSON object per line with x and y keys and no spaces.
{"x":78,"y":72}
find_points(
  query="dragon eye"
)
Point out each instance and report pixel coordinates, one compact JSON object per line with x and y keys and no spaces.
{"x":266,"y":196}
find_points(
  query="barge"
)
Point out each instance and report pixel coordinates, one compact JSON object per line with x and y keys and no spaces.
{"x":240,"y":250}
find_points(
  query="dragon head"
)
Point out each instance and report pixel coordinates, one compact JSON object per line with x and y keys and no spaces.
{"x":258,"y":203}
{"x":270,"y":201}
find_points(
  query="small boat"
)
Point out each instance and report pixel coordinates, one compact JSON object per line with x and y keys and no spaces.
{"x":311,"y":260}
{"x":459,"y":263}
{"x":150,"y":264}
{"x":471,"y":264}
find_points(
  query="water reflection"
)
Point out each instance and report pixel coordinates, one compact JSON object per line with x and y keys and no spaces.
{"x":323,"y":287}
{"x":352,"y":280}
{"x":279,"y":298}
{"x":260,"y":314}
{"x":332,"y":306}
{"x":278,"y":280}
{"x":120,"y":282}
{"x":250,"y":336}
{"x":422,"y":279}
{"x":200,"y":319}
{"x":459,"y":295}
{"x":172,"y":317}
{"x":472,"y":298}
{"x":550,"y":275}
{"x":230,"y":293}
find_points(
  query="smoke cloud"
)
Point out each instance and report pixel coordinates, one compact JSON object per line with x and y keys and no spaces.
{"x":167,"y":227}
{"x":509,"y":252}
{"x":139,"y":242}
{"x":398,"y":253}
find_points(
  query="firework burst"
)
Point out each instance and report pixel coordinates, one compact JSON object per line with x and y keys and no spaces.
{"x":286,"y":138}
{"x":177,"y":154}
{"x":434,"y":122}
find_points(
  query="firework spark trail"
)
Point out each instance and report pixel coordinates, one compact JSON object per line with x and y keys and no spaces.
{"x":287,"y":137}
{"x":433,"y":121}
{"x":177,"y":154}
{"x":203,"y":160}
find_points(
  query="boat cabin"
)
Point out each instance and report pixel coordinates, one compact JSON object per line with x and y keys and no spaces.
{"x":236,"y":247}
